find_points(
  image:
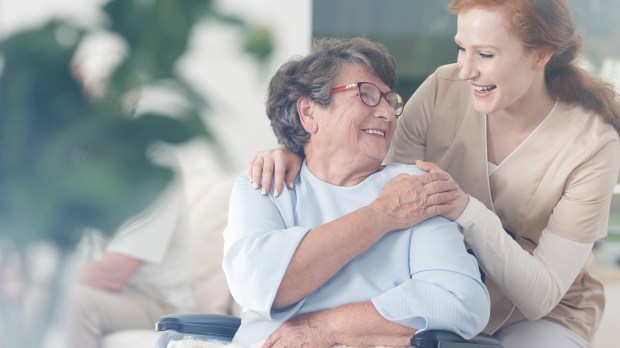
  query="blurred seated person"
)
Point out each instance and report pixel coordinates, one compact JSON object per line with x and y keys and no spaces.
{"x":337,"y":258}
{"x":141,"y":275}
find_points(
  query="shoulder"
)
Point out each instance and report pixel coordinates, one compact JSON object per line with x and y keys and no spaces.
{"x":590,"y":129}
{"x":448,"y":72}
{"x":446,"y":85}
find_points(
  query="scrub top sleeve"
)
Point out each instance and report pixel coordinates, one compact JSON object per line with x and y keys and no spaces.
{"x":409,"y":141}
{"x":582,"y":213}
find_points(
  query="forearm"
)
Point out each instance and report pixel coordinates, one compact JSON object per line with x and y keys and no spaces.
{"x":536,"y":282}
{"x":110,"y":273}
{"x":324,"y":251}
{"x":361,"y":325}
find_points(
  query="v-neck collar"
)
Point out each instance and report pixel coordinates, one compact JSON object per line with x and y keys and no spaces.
{"x":492,"y":168}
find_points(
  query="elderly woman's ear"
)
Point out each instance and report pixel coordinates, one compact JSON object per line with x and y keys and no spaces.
{"x":306,"y":108}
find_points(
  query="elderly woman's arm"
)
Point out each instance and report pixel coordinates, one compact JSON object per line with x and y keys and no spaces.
{"x":444,"y":293}
{"x":356,"y":324}
{"x":327,"y":248}
{"x":310,"y":257}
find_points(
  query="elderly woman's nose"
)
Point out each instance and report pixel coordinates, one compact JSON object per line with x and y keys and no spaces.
{"x":385,"y":111}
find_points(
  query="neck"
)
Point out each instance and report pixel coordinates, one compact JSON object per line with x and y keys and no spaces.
{"x":528,"y":112}
{"x":339,"y":171}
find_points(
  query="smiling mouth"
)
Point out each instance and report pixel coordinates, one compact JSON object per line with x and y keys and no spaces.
{"x":484,"y":89}
{"x":374,"y":131}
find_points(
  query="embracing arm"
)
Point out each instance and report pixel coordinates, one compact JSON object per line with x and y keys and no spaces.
{"x":534,"y":283}
{"x":578,"y":219}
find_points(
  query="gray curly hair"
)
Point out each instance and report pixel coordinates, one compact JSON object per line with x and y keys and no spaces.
{"x":313,"y":77}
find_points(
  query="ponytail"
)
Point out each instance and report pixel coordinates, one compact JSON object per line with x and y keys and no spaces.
{"x":572,"y":84}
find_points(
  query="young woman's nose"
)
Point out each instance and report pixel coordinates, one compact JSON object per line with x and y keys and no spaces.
{"x":466,"y":65}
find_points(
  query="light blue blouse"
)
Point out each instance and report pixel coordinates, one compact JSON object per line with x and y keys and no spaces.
{"x":421,"y":277}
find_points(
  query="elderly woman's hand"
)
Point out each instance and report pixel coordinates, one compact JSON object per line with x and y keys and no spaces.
{"x":458,"y":205}
{"x":306,"y":330}
{"x":410,"y":199}
{"x":284,"y":164}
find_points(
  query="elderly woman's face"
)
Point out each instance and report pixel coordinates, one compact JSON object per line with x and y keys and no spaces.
{"x":347,"y":124}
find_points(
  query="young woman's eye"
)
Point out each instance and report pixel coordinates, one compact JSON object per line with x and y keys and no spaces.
{"x":460,"y":48}
{"x":486,"y":55}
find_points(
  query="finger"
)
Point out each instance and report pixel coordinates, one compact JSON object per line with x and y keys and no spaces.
{"x":436,"y":210}
{"x":272,"y":339}
{"x":251,"y":167}
{"x":268,"y":168}
{"x":425,"y":166}
{"x":442,"y":198}
{"x":257,"y":169}
{"x":279,"y":177}
{"x":440,"y":186}
{"x":291,"y":173}
{"x":428,"y":166}
{"x":424,"y":179}
{"x":437,"y":176}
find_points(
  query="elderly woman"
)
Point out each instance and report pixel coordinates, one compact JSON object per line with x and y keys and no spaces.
{"x":333,"y":260}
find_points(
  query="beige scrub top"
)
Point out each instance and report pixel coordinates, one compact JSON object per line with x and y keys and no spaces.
{"x":556,"y":187}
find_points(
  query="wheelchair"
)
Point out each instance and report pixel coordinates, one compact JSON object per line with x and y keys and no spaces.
{"x":202,"y":327}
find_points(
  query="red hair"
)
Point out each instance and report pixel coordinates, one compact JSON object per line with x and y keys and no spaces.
{"x":548,"y":25}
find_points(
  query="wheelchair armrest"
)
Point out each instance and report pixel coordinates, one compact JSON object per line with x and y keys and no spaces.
{"x":217,"y":326}
{"x":447,"y":339}
{"x":224,"y":327}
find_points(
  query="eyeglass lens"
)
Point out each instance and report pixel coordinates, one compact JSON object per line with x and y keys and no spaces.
{"x":371,"y":96}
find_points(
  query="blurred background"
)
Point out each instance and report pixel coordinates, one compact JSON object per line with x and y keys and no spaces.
{"x":75,"y":73}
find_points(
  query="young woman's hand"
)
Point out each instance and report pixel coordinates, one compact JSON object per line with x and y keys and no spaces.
{"x":456,"y":206}
{"x":285,"y":165}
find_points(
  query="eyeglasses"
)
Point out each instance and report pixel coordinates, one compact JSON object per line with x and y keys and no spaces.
{"x":371,"y":95}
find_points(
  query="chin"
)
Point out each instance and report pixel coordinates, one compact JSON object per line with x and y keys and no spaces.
{"x":484,"y":108}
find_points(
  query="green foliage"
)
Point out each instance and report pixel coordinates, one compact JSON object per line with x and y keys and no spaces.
{"x":68,"y":161}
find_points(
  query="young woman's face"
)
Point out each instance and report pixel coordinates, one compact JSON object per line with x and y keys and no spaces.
{"x":493,"y":60}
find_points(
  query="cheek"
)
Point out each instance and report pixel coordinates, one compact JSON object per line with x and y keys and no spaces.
{"x":459,"y":59}
{"x":517,"y":82}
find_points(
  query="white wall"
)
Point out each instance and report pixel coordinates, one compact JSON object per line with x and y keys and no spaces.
{"x":233,"y":82}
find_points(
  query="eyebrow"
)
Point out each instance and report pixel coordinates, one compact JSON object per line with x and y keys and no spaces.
{"x":477,"y":46}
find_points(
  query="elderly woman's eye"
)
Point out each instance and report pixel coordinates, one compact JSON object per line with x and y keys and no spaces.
{"x":369,"y":98}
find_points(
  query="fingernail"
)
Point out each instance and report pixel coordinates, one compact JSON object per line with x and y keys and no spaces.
{"x":263,"y":191}
{"x":276,"y":193}
{"x":255,"y":184}
{"x":290,"y":185}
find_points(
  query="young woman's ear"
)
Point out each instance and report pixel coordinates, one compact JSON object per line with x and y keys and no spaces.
{"x":542,"y":58}
{"x":307,"y":109}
